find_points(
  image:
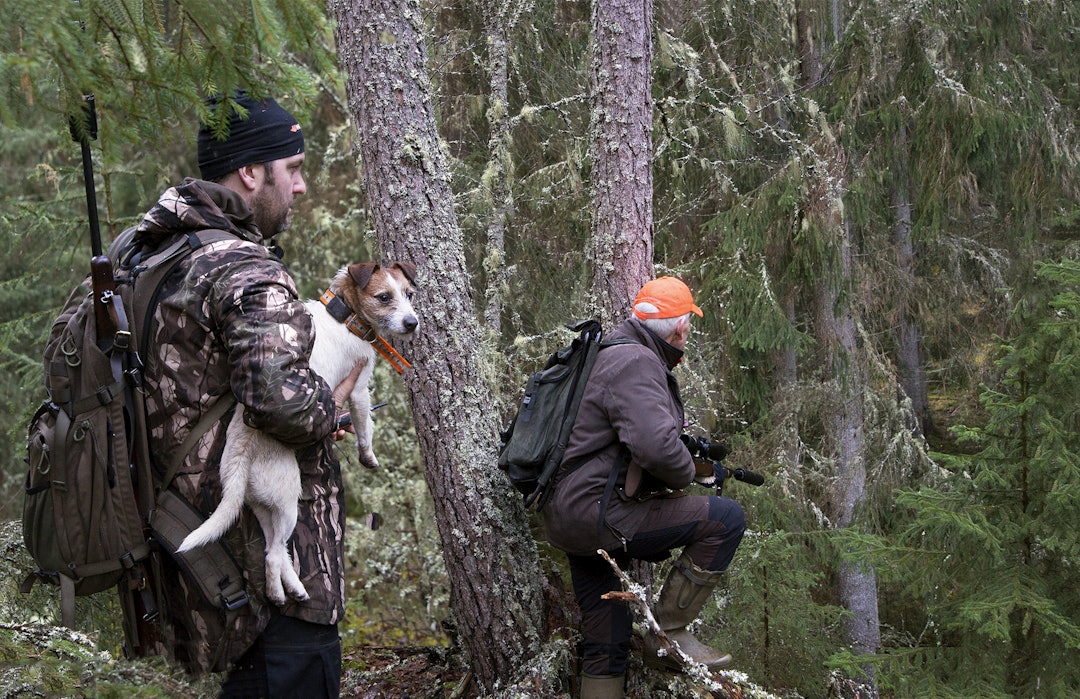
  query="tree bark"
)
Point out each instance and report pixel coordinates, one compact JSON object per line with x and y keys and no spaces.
{"x":841,"y":367}
{"x":491,"y":558}
{"x":621,"y":153}
{"x":909,"y":359}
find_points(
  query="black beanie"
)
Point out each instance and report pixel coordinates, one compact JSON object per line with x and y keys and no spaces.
{"x":267,"y":133}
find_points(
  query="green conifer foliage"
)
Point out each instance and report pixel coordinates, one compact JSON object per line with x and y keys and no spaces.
{"x":993,"y":547}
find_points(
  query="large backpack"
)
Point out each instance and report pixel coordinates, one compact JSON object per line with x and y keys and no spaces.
{"x":534,"y":443}
{"x":94,"y":514}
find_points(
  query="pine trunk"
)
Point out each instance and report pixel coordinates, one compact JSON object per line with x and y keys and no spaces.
{"x":490,"y":556}
{"x":621,"y":153}
{"x":909,"y":360}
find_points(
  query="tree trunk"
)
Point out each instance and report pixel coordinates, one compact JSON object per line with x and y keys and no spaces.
{"x":909,"y":357}
{"x":491,"y":558}
{"x":621,"y":153}
{"x":785,"y":377}
{"x":841,"y":367}
{"x":499,"y":19}
{"x":845,"y":439}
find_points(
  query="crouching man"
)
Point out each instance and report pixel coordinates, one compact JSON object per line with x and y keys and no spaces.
{"x":619,"y":488}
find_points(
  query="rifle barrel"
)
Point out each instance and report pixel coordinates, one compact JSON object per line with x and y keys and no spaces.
{"x":91,"y":199}
{"x":83,"y":130}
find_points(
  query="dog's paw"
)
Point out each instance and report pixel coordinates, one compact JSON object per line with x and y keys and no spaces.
{"x":367,"y":459}
{"x":275,"y":593}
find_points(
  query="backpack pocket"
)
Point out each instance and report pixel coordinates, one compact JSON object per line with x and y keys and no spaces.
{"x":39,"y":524}
{"x":79,"y":513}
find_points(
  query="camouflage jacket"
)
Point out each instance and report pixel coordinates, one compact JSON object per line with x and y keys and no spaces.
{"x":229,"y":320}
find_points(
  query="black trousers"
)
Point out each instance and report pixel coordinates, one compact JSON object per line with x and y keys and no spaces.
{"x":291,"y":658}
{"x":709,"y":526}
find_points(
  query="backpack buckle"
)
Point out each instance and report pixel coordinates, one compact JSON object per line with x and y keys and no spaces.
{"x":233,"y":601}
{"x":122,"y":340}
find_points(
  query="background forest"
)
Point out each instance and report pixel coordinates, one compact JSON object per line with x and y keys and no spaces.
{"x":878,"y":204}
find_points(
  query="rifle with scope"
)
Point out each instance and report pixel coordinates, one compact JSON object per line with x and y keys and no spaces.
{"x":138,"y":591}
{"x":708,"y":459}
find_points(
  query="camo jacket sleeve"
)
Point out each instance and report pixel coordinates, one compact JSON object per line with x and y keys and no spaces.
{"x":268,"y":335}
{"x":231,"y":320}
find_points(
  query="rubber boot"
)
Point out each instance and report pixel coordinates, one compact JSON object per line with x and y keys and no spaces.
{"x":609,"y":687}
{"x":686,"y":591}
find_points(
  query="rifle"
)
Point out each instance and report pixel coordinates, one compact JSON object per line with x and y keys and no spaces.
{"x":83,"y":127}
{"x":138,"y":589}
{"x":709,"y":456}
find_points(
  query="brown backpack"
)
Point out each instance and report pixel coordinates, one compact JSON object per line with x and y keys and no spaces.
{"x":94,"y":515}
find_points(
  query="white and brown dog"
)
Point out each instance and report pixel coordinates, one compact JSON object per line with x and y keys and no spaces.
{"x":363,"y":302}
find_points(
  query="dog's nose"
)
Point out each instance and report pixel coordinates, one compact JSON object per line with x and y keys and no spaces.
{"x":410,"y":323}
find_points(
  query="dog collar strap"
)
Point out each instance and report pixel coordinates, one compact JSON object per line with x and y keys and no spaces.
{"x":390,"y":354}
{"x":340,"y":311}
{"x":335,"y":306}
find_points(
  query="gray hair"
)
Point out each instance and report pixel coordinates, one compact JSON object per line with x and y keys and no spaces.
{"x":662,"y":327}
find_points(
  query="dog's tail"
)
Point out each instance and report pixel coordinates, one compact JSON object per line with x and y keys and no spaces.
{"x":233,"y":486}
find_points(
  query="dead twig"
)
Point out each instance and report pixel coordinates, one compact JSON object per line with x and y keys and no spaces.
{"x":635,"y":594}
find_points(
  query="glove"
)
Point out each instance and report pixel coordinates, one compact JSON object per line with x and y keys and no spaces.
{"x":704,"y":472}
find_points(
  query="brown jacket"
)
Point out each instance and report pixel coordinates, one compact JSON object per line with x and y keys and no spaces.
{"x":631,"y":413}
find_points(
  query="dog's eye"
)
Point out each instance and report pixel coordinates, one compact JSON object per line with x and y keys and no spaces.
{"x":409,"y":295}
{"x":384,"y":297}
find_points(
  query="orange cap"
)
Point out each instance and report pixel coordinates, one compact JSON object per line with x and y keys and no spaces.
{"x":671,"y":297}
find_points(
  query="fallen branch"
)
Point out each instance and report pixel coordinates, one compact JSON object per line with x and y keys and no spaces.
{"x":635,"y":594}
{"x":694,"y":672}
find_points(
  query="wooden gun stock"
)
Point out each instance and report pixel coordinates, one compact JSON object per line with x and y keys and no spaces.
{"x":104,"y":286}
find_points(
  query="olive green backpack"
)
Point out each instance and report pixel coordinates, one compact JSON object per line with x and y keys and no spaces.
{"x":95,"y":514}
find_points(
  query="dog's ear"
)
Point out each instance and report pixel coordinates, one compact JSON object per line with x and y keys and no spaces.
{"x":361,"y":273}
{"x":408,"y":269}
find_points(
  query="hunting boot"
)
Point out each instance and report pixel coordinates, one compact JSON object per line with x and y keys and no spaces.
{"x":609,"y":687}
{"x":686,"y":591}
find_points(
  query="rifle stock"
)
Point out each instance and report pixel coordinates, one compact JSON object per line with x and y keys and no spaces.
{"x":104,"y":286}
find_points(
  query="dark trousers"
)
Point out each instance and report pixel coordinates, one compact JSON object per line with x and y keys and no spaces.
{"x":709,"y":526}
{"x":291,"y":658}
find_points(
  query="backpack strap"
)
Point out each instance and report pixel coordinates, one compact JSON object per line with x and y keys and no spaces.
{"x":67,"y":582}
{"x":571,"y":465}
{"x":613,"y":476}
{"x":157,"y":266}
{"x":210,"y":567}
{"x":208,"y":420}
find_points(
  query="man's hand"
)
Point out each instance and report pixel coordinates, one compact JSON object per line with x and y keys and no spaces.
{"x":704,"y":473}
{"x":341,"y":394}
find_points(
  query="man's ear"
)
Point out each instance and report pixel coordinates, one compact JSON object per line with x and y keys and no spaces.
{"x":682,"y":328}
{"x":251,"y":176}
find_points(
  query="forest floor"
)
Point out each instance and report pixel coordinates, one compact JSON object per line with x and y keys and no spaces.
{"x":384,"y":672}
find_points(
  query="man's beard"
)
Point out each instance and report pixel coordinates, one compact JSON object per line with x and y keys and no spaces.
{"x":270,"y":212}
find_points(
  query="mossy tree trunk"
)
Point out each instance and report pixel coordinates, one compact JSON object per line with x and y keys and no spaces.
{"x":490,"y":557}
{"x":839,"y":357}
{"x":620,"y":153}
{"x":499,"y":19}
